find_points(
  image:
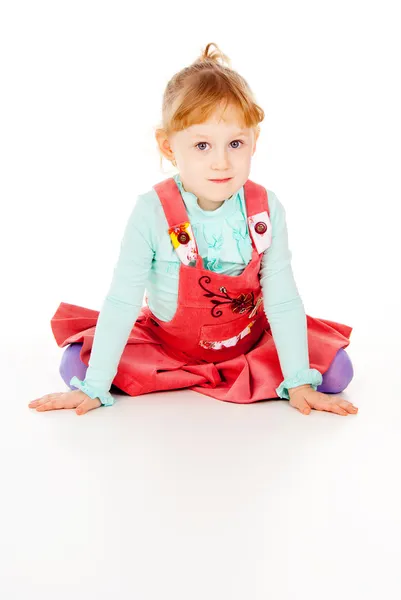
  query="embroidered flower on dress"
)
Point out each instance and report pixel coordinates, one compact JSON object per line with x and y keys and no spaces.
{"x":241,"y":304}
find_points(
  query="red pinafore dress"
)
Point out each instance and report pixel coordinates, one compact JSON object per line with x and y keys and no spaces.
{"x":219,"y":341}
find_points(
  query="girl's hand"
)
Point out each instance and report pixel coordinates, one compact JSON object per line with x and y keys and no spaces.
{"x":73,"y":399}
{"x":304,"y":398}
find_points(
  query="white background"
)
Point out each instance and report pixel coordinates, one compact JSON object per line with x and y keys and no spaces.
{"x":177,"y":495}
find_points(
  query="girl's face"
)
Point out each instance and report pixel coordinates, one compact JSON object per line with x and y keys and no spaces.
{"x":216,"y":149}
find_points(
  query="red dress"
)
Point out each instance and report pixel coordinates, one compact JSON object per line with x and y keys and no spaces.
{"x":219,"y":341}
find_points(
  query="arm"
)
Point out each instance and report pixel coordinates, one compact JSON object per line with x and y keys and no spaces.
{"x":121,"y":306}
{"x":284,"y":307}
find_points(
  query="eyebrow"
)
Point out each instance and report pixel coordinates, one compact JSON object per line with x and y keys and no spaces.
{"x":206,"y":136}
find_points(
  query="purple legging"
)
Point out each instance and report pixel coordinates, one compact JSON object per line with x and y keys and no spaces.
{"x":335,"y":380}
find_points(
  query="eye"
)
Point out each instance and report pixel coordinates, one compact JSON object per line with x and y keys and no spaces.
{"x":237,"y":142}
{"x":233,"y":142}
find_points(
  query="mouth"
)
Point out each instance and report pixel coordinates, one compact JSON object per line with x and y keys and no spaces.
{"x":221,"y":180}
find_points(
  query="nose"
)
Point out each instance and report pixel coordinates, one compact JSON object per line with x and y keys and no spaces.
{"x":220,"y":160}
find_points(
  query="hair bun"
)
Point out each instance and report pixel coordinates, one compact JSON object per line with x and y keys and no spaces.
{"x":214,"y":55}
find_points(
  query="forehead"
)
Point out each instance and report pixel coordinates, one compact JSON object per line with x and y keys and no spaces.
{"x":217,"y":124}
{"x":228,"y":118}
{"x":205,"y":132}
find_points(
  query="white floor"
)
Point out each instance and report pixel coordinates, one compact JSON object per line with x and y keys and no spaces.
{"x":180,"y":496}
{"x":176,"y":496}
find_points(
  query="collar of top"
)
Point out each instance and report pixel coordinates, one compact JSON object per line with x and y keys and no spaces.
{"x":228,"y":208}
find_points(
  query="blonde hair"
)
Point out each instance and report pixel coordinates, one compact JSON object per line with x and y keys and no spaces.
{"x":192,"y":95}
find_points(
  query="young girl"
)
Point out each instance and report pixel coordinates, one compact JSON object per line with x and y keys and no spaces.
{"x":223,"y":314}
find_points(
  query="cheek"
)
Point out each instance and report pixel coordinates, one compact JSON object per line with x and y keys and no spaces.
{"x":243,"y":155}
{"x":242,"y":162}
{"x":194,"y":170}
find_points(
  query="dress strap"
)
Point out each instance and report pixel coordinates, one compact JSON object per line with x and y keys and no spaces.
{"x":179,"y":226}
{"x":257,"y":208}
{"x":172,"y":202}
{"x":256,"y":198}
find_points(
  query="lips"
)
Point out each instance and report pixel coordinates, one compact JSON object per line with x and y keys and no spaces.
{"x":220,"y":180}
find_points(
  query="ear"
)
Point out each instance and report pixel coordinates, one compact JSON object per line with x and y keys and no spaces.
{"x":257,"y":132}
{"x":164,"y":144}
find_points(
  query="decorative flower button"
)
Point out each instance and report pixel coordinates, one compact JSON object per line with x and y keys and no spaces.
{"x":184,"y":242}
{"x":261,"y":227}
{"x":183,"y":237}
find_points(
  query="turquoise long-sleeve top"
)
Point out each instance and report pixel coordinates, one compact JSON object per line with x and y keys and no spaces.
{"x":148,"y":261}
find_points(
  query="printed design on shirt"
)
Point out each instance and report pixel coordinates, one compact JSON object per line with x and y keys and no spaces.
{"x":240,"y":304}
{"x":241,"y":236}
{"x":184,"y":243}
{"x":244,"y":245}
{"x":172,"y":268}
{"x":217,"y":345}
{"x":215,"y":244}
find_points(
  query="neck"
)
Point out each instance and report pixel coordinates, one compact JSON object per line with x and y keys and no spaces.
{"x":209,"y":204}
{"x":203,"y":203}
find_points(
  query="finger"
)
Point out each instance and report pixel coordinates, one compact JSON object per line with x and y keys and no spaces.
{"x":87,"y":405}
{"x":39,"y":400}
{"x":42,"y":400}
{"x":59,"y":401}
{"x":329,"y":404}
{"x":70,"y":400}
{"x":303,"y":406}
{"x":50,"y":405}
{"x":335,"y":408}
{"x":326,"y":406}
{"x":348,"y":406}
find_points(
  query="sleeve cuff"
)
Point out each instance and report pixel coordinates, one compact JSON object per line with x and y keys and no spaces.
{"x":311,"y":376}
{"x":105,"y":398}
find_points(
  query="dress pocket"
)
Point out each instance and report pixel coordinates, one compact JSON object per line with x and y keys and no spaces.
{"x":225,"y":335}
